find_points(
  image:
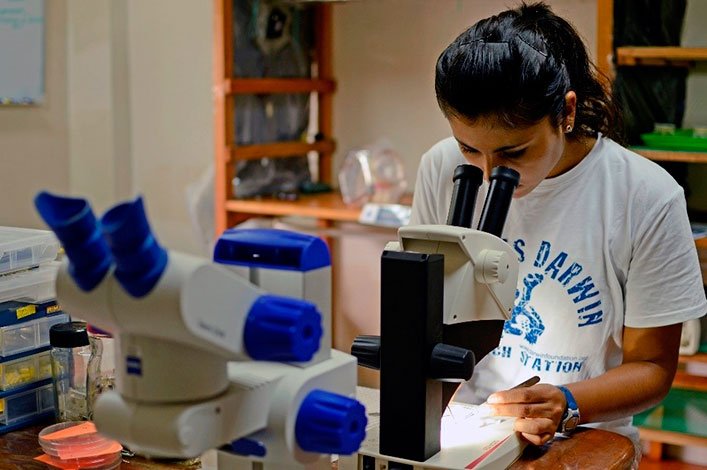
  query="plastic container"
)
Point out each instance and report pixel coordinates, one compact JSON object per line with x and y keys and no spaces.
{"x":70,"y":356}
{"x":82,"y":448}
{"x":664,"y":128}
{"x":12,"y":313}
{"x":33,"y":286}
{"x":25,"y":370}
{"x":101,"y":366}
{"x":372,"y":175}
{"x":25,"y":404}
{"x":682,"y":139}
{"x":26,"y":336}
{"x":22,"y":248}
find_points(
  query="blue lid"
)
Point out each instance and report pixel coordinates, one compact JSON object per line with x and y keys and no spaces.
{"x":140,"y":260}
{"x":245,"y":446}
{"x":271,"y":248}
{"x":77,"y":229}
{"x":282,"y":329}
{"x":329,"y":423}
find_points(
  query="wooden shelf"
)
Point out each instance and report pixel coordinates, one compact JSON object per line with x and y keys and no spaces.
{"x":669,"y":422}
{"x":259,"y":86}
{"x":699,"y":357}
{"x":327,"y":206}
{"x":686,"y":381}
{"x":675,"y":56}
{"x":227,"y":86}
{"x":671,"y":155}
{"x":279,"y":149}
{"x":671,"y":437}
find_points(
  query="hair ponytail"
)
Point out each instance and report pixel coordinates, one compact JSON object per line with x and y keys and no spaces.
{"x":518,"y":66}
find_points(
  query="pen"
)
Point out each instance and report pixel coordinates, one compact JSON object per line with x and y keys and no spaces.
{"x":528,"y":383}
{"x":484,"y":409}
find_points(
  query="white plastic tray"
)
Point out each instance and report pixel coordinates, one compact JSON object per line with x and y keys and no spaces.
{"x":26,"y":336}
{"x":25,"y":404}
{"x":22,"y":248}
{"x":32,"y":286}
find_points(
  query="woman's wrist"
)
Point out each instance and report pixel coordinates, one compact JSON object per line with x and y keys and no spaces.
{"x":571,"y":416}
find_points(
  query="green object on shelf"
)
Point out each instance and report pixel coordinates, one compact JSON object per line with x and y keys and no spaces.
{"x":682,"y":139}
{"x":682,"y":411}
{"x":310,"y":187}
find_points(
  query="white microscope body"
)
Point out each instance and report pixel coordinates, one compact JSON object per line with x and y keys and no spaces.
{"x":480,"y":270}
{"x":207,"y":358}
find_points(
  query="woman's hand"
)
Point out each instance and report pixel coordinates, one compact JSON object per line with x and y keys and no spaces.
{"x":539,"y":410}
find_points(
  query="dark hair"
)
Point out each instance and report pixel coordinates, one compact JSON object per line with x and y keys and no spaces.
{"x":518,"y":66}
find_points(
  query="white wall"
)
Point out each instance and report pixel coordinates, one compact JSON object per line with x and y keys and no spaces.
{"x":98,"y":105}
{"x":34,"y":140}
{"x":127,"y":111}
{"x":169,"y":50}
{"x":384,"y":57}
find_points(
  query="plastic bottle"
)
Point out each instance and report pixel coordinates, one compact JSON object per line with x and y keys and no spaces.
{"x":70,"y":356}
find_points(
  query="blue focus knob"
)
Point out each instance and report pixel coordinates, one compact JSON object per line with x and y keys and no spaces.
{"x":329,"y":423}
{"x":76,"y":227}
{"x":282,"y":329}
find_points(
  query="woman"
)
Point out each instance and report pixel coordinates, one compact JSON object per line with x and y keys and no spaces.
{"x":608,"y":267}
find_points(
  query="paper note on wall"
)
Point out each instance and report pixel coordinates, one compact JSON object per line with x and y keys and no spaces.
{"x":21,"y":52}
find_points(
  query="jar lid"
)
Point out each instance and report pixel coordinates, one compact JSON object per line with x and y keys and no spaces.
{"x":68,"y":335}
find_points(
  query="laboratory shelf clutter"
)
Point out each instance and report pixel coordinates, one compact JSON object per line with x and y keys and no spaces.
{"x":28,"y":308}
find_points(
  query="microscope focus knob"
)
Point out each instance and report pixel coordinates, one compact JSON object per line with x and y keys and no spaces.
{"x":329,"y":423}
{"x":492,"y":266}
{"x":367,"y":349}
{"x":282,"y":329}
{"x":451,"y":363}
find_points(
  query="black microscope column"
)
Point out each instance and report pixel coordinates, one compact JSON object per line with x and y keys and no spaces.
{"x":412,"y":286}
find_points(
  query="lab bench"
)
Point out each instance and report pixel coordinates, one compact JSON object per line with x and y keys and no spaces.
{"x":589,"y":448}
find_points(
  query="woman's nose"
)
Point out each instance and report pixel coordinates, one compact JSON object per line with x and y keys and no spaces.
{"x":489,"y":164}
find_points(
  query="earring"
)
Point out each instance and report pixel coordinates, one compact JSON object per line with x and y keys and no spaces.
{"x":568,"y":129}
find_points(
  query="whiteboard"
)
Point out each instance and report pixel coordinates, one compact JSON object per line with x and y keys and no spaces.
{"x":21,"y":52}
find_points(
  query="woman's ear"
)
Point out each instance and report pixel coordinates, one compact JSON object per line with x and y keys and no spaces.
{"x":570,"y":111}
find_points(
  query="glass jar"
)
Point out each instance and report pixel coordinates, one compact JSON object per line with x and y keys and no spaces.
{"x":101,"y":366}
{"x":70,"y":356}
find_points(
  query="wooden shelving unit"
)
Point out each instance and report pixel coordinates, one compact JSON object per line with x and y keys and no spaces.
{"x":228,"y":210}
{"x":660,"y":56}
{"x":278,"y":149}
{"x":643,"y":55}
{"x":666,"y":423}
{"x":328,"y":207}
{"x":249,"y":86}
{"x":686,"y":381}
{"x":671,"y":155}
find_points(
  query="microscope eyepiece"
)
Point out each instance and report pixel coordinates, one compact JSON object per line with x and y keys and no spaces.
{"x":467,"y":180}
{"x":503,"y":182}
{"x":74,"y":224}
{"x":140,"y":260}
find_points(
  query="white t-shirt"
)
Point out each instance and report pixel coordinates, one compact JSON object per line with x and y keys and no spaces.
{"x":605,"y":245}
